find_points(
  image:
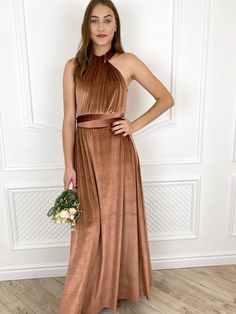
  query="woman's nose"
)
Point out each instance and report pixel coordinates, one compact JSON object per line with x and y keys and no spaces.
{"x":101,"y":26}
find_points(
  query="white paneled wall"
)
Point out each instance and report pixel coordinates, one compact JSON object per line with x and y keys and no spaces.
{"x":187,"y":155}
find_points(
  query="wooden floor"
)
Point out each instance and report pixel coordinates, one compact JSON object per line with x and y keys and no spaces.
{"x":198,"y":290}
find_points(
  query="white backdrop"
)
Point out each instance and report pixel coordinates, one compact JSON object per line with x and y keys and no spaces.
{"x":187,"y":155}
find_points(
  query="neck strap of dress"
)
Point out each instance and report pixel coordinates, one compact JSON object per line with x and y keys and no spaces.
{"x":106,"y":56}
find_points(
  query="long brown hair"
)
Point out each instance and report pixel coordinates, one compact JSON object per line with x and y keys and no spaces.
{"x":84,"y":53}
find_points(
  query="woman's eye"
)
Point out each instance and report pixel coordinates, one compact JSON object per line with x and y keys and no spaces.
{"x":106,"y":21}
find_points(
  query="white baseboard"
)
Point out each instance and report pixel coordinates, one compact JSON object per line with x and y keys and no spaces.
{"x":158,"y":262}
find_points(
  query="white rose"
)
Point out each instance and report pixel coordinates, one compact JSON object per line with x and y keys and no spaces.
{"x":58,"y":220}
{"x":72,"y":217}
{"x":72,"y":210}
{"x":64,"y":214}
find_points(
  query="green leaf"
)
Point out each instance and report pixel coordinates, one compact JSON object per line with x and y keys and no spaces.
{"x":50,"y":212}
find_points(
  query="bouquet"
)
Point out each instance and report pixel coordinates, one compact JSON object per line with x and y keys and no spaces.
{"x":66,"y":209}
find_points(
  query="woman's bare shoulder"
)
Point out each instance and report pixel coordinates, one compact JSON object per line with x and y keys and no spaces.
{"x":68,"y":73}
{"x":69,"y":67}
{"x":129,"y":59}
{"x":70,"y":62}
{"x":126,"y":56}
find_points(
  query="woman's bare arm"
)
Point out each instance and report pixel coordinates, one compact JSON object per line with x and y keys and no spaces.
{"x":68,"y":128}
{"x":164,"y":100}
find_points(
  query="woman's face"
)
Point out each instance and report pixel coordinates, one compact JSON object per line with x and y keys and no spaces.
{"x":102,"y":22}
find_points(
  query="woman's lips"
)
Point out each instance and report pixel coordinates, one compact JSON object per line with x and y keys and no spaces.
{"x":101,"y":36}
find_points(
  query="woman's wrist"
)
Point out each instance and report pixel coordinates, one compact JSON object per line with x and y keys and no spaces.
{"x":69,"y":166}
{"x":133,"y":127}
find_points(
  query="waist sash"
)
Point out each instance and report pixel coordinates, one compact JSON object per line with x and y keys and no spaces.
{"x":98,"y":120}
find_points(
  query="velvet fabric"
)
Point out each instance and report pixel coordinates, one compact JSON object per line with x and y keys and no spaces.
{"x":109,"y":251}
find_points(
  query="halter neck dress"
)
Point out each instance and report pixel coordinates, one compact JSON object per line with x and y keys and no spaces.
{"x":109,"y":251}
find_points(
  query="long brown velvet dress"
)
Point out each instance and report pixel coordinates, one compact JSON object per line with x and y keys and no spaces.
{"x":109,"y":252}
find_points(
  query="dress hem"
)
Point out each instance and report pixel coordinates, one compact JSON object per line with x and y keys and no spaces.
{"x":99,"y":309}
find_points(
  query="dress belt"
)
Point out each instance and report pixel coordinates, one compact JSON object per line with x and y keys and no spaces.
{"x":98,"y":120}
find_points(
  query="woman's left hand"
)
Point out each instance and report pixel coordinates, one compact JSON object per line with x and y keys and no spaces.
{"x":122,"y":126}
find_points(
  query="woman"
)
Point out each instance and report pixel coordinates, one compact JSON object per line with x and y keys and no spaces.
{"x":109,"y":253}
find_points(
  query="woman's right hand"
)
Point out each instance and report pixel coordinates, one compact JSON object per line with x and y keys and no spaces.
{"x":69,"y":176}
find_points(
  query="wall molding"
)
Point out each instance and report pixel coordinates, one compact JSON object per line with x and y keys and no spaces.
{"x":23,"y":201}
{"x":183,"y":198}
{"x":234,"y":143}
{"x":55,"y":269}
{"x":232,"y":211}
{"x":26,"y":97}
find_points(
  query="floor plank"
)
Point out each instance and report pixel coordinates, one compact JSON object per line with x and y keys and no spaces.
{"x":10,"y":303}
{"x":51,"y":285}
{"x":166,"y":303}
{"x":30,"y":292}
{"x":207,"y":300}
{"x":197,"y":290}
